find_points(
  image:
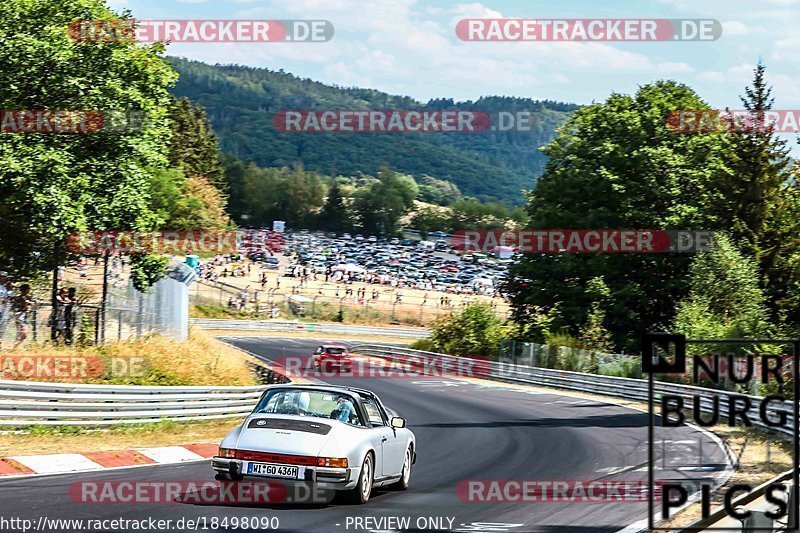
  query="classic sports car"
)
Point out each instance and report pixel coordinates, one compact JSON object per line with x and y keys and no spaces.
{"x":329,"y":356}
{"x":338,"y":438}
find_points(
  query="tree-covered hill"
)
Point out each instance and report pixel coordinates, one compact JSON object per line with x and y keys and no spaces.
{"x":491,"y":165}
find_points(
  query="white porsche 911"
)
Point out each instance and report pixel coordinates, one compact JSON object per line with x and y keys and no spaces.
{"x":337,"y":438}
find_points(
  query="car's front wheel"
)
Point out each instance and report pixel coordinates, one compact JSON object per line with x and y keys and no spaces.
{"x":361,"y":492}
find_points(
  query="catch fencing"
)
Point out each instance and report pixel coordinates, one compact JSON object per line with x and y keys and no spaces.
{"x":128,"y":313}
{"x":310,"y":327}
{"x":331,"y":301}
{"x":570,"y":358}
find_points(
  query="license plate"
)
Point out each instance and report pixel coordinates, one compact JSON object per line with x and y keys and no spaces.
{"x":271,"y":470}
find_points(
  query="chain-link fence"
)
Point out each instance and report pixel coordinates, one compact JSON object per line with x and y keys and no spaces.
{"x":78,"y":325}
{"x":127,"y":314}
{"x":572,"y":359}
{"x":163,"y":309}
{"x":335,"y":303}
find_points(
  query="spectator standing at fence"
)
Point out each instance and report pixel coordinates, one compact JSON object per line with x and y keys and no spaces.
{"x":57,"y":321}
{"x":70,"y":314}
{"x":22,"y":305}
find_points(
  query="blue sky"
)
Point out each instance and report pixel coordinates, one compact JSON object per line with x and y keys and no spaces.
{"x":409,"y":47}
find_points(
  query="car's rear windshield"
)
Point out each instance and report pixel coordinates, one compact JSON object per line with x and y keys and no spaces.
{"x":305,"y":402}
{"x":335,"y":351}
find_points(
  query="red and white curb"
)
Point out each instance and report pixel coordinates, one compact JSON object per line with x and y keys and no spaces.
{"x":62,"y":463}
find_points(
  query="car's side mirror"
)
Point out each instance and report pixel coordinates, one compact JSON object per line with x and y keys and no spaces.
{"x":397,"y":422}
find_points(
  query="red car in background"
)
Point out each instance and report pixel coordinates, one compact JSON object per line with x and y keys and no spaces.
{"x":328,"y":356}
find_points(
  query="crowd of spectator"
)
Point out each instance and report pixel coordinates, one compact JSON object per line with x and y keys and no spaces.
{"x":18,"y":307}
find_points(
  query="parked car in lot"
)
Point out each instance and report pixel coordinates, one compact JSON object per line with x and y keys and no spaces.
{"x":414,"y":266}
{"x":338,"y":438}
{"x":258,"y":256}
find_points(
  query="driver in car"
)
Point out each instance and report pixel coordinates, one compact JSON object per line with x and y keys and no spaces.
{"x":293,"y":403}
{"x":344,"y":408}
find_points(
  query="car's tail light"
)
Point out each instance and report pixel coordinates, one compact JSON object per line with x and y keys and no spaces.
{"x":227,"y":452}
{"x":332,"y":461}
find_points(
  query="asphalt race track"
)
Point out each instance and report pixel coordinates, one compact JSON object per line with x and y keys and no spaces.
{"x":466,"y":430}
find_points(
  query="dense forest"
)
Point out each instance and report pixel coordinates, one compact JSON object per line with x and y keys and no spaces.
{"x":492,"y":165}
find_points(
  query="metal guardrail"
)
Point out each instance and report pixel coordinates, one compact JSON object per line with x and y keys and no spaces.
{"x":275,"y":325}
{"x":62,"y":404}
{"x":627,"y":388}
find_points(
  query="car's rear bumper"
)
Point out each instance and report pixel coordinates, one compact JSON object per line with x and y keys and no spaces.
{"x":322,"y":477}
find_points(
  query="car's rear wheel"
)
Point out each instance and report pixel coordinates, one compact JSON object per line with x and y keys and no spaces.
{"x":361,"y":492}
{"x":405,"y":475}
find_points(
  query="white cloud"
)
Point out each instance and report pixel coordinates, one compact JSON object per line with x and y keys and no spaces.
{"x":733,"y":28}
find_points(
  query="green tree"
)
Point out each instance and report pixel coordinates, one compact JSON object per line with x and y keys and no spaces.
{"x":303,"y":194}
{"x":187,"y":203}
{"x":725,"y":299}
{"x":469,"y":213}
{"x":335,"y":215}
{"x":193,"y":147}
{"x":52,"y":185}
{"x":759,"y":197}
{"x":476,"y":330}
{"x":429,"y":219}
{"x":435,"y":191}
{"x":595,"y":335}
{"x":381,"y":204}
{"x":616,"y":165}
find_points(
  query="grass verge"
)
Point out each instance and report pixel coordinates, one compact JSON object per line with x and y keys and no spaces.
{"x":152,"y":360}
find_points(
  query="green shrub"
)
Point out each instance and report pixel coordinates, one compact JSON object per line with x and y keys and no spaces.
{"x":426,"y":345}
